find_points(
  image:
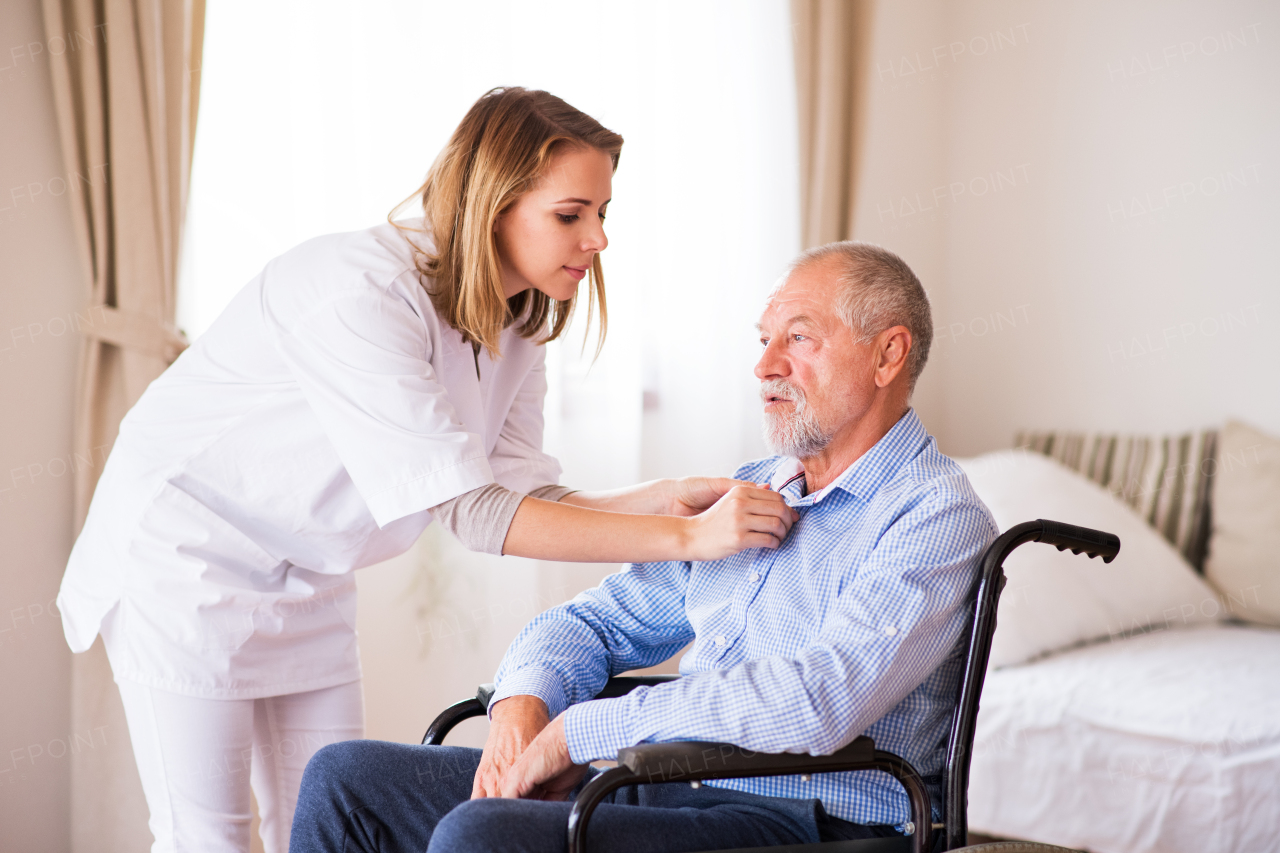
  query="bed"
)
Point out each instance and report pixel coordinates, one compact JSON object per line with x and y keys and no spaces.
{"x":1136,"y":710}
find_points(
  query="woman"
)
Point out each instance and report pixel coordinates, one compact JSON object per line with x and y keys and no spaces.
{"x":361,"y":385}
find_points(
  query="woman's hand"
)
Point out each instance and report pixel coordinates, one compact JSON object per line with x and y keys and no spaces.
{"x":515,"y":723}
{"x":691,"y":495}
{"x":746,"y":517}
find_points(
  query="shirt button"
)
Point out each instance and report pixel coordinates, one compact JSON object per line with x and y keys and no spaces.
{"x":755,"y":576}
{"x":890,"y":630}
{"x":720,"y":640}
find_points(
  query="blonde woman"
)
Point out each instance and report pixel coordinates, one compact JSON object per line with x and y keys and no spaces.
{"x":361,"y":385}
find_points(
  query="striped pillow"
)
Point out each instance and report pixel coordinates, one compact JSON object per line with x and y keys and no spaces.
{"x":1164,"y":478}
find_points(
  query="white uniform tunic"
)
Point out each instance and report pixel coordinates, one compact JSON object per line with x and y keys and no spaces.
{"x":304,"y":435}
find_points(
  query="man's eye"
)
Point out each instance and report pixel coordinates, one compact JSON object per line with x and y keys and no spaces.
{"x":568,"y":218}
{"x":797,"y":337}
{"x":764,"y":342}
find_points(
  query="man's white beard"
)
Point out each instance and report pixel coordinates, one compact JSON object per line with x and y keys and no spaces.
{"x":797,"y":433}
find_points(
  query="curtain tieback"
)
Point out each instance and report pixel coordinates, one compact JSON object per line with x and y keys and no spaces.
{"x":136,"y":332}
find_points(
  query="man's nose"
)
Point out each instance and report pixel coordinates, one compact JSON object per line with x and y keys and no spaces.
{"x":771,"y":364}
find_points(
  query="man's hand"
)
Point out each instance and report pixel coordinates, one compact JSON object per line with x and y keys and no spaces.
{"x":545,"y":771}
{"x":514,"y":724}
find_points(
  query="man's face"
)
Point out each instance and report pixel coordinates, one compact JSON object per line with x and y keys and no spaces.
{"x":815,"y":378}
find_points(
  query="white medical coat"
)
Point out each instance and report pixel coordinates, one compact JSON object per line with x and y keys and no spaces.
{"x":304,"y":435}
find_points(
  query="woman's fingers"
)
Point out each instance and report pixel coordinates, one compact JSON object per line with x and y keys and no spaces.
{"x":767,"y":513}
{"x":775,"y":527}
{"x":765,"y":503}
{"x":746,"y":517}
{"x":760,"y":540}
{"x":695,"y":494}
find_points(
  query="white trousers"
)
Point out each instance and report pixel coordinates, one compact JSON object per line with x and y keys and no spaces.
{"x":199,"y":757}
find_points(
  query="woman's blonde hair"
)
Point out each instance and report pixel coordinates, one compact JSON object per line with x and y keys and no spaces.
{"x":499,"y":152}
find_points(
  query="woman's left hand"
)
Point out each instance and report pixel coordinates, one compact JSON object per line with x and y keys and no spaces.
{"x":691,"y":495}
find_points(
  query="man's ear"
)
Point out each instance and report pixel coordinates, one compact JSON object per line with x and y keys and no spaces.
{"x":892,"y":347}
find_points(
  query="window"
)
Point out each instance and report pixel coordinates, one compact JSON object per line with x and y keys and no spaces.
{"x":320,"y":117}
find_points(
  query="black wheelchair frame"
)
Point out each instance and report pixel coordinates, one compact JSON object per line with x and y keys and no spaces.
{"x":697,"y":761}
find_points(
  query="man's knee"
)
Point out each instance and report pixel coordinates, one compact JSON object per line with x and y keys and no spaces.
{"x":338,"y":761}
{"x":330,"y":762}
{"x":487,"y":824}
{"x":331,"y":765}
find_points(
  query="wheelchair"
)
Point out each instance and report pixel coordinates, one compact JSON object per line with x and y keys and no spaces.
{"x":696,"y":761}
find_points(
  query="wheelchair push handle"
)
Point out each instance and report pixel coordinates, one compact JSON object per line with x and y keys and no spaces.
{"x":1095,"y":543}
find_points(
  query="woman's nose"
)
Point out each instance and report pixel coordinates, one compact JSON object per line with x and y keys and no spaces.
{"x":596,"y":241}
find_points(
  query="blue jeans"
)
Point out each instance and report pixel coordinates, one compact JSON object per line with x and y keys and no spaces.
{"x":371,"y":796}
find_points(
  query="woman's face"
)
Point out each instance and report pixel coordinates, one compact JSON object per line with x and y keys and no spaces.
{"x":548,"y":239}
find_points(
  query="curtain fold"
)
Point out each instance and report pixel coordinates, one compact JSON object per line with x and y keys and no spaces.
{"x":832,"y":64}
{"x":126,"y":110}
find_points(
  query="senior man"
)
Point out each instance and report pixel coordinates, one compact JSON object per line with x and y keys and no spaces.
{"x":854,"y":625}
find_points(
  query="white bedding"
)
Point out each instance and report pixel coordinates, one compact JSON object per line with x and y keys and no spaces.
{"x":1168,"y":741}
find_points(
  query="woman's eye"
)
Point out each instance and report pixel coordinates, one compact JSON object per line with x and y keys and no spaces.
{"x":568,"y":218}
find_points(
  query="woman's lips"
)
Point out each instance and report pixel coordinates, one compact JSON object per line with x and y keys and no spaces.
{"x":576,"y":272}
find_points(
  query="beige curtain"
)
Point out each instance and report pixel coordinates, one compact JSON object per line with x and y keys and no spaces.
{"x":126,"y":88}
{"x":832,"y":67}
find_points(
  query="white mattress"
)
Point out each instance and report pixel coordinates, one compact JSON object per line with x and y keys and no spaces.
{"x":1169,"y":741}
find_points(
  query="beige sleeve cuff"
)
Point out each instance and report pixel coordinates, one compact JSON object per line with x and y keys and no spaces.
{"x":481,"y":517}
{"x":551,"y":493}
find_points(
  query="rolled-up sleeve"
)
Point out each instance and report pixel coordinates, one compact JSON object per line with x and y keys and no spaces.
{"x":362,"y":360}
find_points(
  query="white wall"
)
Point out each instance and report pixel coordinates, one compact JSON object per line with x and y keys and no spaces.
{"x":901,"y":154}
{"x":41,"y":289}
{"x":1119,"y":272}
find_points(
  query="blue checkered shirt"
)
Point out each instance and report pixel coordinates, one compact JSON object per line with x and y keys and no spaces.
{"x":855,"y":625}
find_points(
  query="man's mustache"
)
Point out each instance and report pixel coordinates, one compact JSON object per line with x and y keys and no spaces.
{"x":783,"y":390}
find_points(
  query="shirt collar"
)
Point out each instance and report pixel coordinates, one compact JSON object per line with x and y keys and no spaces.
{"x":867,"y":474}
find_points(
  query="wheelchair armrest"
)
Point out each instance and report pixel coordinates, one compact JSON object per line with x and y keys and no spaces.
{"x":693,"y":761}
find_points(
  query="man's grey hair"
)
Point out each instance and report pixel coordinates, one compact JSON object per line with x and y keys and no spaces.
{"x":878,"y":291}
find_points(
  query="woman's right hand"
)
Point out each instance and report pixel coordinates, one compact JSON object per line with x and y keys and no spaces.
{"x":746,"y":517}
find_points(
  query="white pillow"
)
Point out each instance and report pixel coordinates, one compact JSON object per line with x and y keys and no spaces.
{"x":1244,"y":549}
{"x":1055,"y":599}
